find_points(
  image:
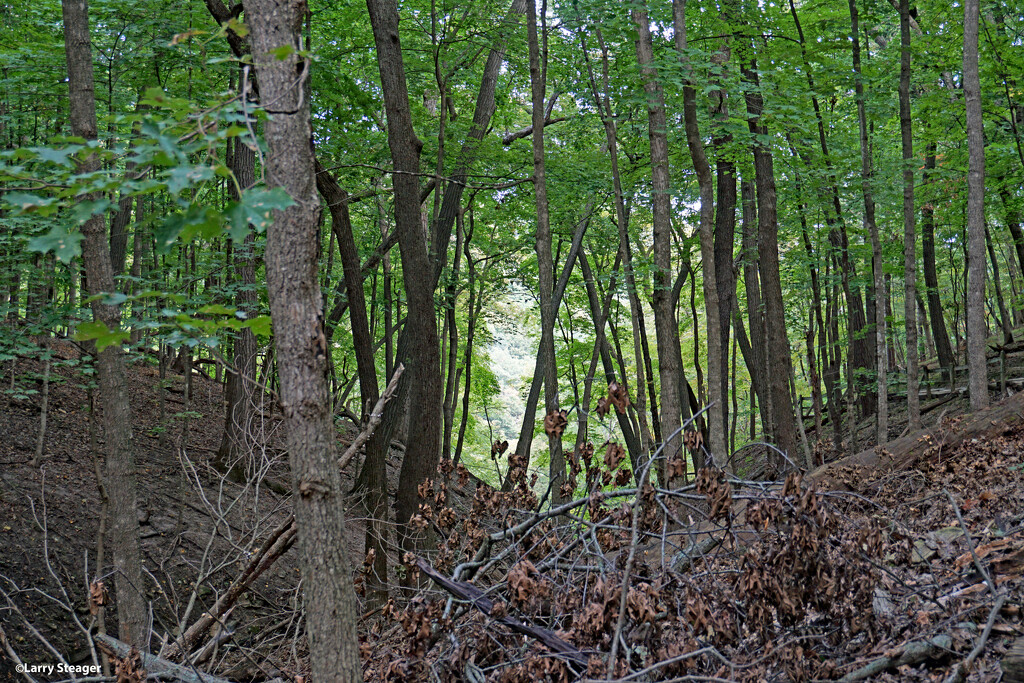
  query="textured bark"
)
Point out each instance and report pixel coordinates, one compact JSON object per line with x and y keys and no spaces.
{"x":237,"y":444}
{"x":931,"y":280}
{"x":881,"y":358}
{"x":296,"y":308}
{"x":602,"y":100}
{"x":1004,"y":316}
{"x":757,"y":364}
{"x":909,"y":226}
{"x":418,"y":346}
{"x":545,"y":264}
{"x":777,"y":346}
{"x":711,"y":249}
{"x":119,"y":475}
{"x":666,"y":329}
{"x":976,"y":330}
{"x":375,"y":464}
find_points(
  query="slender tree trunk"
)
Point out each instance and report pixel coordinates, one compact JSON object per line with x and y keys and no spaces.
{"x":881,"y":357}
{"x":545,"y":265}
{"x":237,"y":445}
{"x":296,"y":307}
{"x":119,"y":480}
{"x":420,"y":351}
{"x":976,"y":329}
{"x":909,"y":227}
{"x":778,"y":350}
{"x":666,"y":330}
{"x":715,"y":231}
{"x":1004,"y":317}
{"x":931,"y":280}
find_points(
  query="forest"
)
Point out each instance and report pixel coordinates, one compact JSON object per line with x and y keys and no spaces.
{"x":516,"y":340}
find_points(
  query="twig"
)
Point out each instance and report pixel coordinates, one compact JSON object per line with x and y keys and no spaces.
{"x":959,"y":674}
{"x":970,"y":544}
{"x":5,"y":641}
{"x":158,"y":665}
{"x":375,"y":417}
{"x":911,"y":653}
{"x":469,"y":592}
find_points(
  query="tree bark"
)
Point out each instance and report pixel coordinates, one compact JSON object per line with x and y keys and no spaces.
{"x":881,"y":357}
{"x":296,"y":308}
{"x":713,"y":230}
{"x":418,"y":347}
{"x":909,"y":226}
{"x":666,"y":329}
{"x":119,"y":479}
{"x":931,"y":280}
{"x":976,"y":330}
{"x":777,"y":346}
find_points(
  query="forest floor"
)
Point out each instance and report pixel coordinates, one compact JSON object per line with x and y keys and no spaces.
{"x":901,"y":569}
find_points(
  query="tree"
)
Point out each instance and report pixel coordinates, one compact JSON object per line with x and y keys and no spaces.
{"x":119,"y":479}
{"x":297,"y":310}
{"x":977,"y":335}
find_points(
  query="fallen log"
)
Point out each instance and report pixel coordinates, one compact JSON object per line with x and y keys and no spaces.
{"x":1000,"y":419}
{"x":910,"y":654}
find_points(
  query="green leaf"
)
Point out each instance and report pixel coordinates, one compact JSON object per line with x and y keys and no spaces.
{"x":101,"y":334}
{"x":254,"y":208}
{"x":65,"y":245}
{"x":217,"y":309}
{"x":283,"y":52}
{"x":22,"y":201}
{"x":260,"y":325}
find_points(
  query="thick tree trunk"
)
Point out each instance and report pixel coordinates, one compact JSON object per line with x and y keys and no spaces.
{"x":909,"y":227}
{"x":881,"y":357}
{"x":418,"y":346}
{"x":976,"y":330}
{"x":666,"y":329}
{"x":296,"y":307}
{"x":119,"y":475}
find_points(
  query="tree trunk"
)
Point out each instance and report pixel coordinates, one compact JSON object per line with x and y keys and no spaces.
{"x":909,"y":227}
{"x":666,"y":329}
{"x":296,"y":308}
{"x":931,"y":280}
{"x":545,"y":265}
{"x":119,"y":479}
{"x":237,"y":446}
{"x":713,"y":230}
{"x":881,"y":357}
{"x":777,"y":346}
{"x":418,"y":346}
{"x":976,"y":330}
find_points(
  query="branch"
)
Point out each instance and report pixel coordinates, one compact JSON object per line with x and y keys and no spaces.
{"x":375,"y":417}
{"x":912,"y":653}
{"x":156,"y":665}
{"x":470,"y":593}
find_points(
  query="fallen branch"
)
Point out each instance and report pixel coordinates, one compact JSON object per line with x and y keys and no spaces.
{"x":472,"y":594}
{"x":276,"y":545}
{"x":959,"y":674}
{"x":375,"y":417}
{"x":156,"y":665}
{"x":911,"y":653}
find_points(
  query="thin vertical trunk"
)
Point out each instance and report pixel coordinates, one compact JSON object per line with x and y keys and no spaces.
{"x":909,"y":227}
{"x":777,"y":346}
{"x":881,"y":357}
{"x":931,"y":279}
{"x":716,"y":237}
{"x":666,"y":330}
{"x":119,"y":476}
{"x":296,"y":307}
{"x":545,"y":265}
{"x":420,"y":351}
{"x":757,"y":364}
{"x":976,"y":330}
{"x":1004,"y":316}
